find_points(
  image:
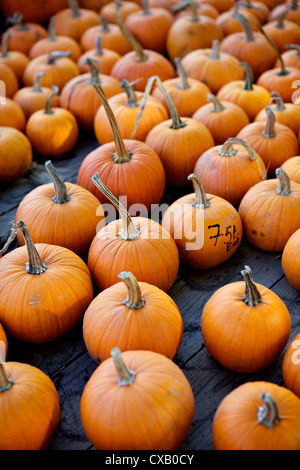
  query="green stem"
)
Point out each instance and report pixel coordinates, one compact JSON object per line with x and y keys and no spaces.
{"x":125,"y":375}
{"x":98,"y":48}
{"x":132,"y":101}
{"x":217,"y":105}
{"x":138,"y":48}
{"x":252,"y":295}
{"x":249,"y":36}
{"x":201,"y":200}
{"x":61,"y":195}
{"x":135,"y":298}
{"x":53,"y":56}
{"x":48,"y":107}
{"x":279,"y":104}
{"x":248,"y":85}
{"x":37,"y":82}
{"x":4,"y":44}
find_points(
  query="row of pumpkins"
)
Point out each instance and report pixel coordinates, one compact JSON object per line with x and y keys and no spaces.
{"x":178,"y":115}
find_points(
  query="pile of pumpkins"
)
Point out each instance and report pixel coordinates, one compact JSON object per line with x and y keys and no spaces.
{"x":199,"y":93}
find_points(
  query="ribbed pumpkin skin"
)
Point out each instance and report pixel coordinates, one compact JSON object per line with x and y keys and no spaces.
{"x":23,"y":39}
{"x":112,"y":39}
{"x":10,"y":79}
{"x":29,"y":410}
{"x":121,"y":418}
{"x":74,"y":27}
{"x":289,"y":116}
{"x":291,"y":260}
{"x":3,"y":344}
{"x":48,"y":305}
{"x":292,"y":168}
{"x":235,"y":425}
{"x":290,"y":366}
{"x":288,"y":34}
{"x":12,"y":115}
{"x":242,"y":338}
{"x":60,"y":43}
{"x":72,"y":225}
{"x":31,"y":101}
{"x":284,"y":85}
{"x":16,"y":152}
{"x":38,"y":12}
{"x":152,"y":258}
{"x":157,"y":326}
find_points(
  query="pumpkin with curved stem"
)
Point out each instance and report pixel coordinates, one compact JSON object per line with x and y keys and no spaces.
{"x":206,"y":228}
{"x":129,"y":423}
{"x":257,"y":416}
{"x":8,"y":76}
{"x":135,"y":316}
{"x":266,"y":211}
{"x":12,"y":115}
{"x":229,"y":170}
{"x":287,"y":114}
{"x":16,"y":152}
{"x":204,"y":9}
{"x":16,"y":60}
{"x":3,"y":343}
{"x":230,"y":24}
{"x":23,"y":34}
{"x":258,"y":9}
{"x":215,"y":113}
{"x":80,"y":98}
{"x":125,"y":107}
{"x":69,"y":215}
{"x":274,"y":142}
{"x":291,"y":57}
{"x":290,"y":366}
{"x":292,"y":168}
{"x":74,"y":21}
{"x":54,"y":290}
{"x":293,"y":13}
{"x":108,"y":11}
{"x":282,"y":31}
{"x":291,"y":260}
{"x":245,"y":306}
{"x":106,"y":57}
{"x":138,"y":244}
{"x":111,"y":38}
{"x":30,"y":407}
{"x":122,"y":164}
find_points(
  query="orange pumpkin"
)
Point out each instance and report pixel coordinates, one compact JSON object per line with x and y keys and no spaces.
{"x":287,"y":114}
{"x":204,"y":9}
{"x":257,"y":416}
{"x":8,"y":77}
{"x":283,"y":31}
{"x":269,"y":212}
{"x":12,"y":115}
{"x":106,"y":58}
{"x":259,"y":9}
{"x":292,"y":168}
{"x":16,"y":60}
{"x":136,"y":377}
{"x":30,"y":408}
{"x":230,"y":24}
{"x":291,"y":260}
{"x":74,"y":21}
{"x":245,"y":326}
{"x":3,"y":344}
{"x":290,"y":366}
{"x":23,"y":34}
{"x":135,"y":316}
{"x":291,"y":57}
{"x":206,"y":228}
{"x":32,"y":10}
{"x":16,"y":152}
{"x":220,"y":5}
{"x":108,"y":11}
{"x":293,"y":13}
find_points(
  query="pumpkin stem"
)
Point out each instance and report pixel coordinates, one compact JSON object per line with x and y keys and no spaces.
{"x":248,"y":85}
{"x":201,"y":200}
{"x":188,"y":4}
{"x":98,"y":47}
{"x":95,"y":67}
{"x":248,"y":31}
{"x":37,"y":82}
{"x":134,"y":299}
{"x":280,"y":19}
{"x":129,"y":231}
{"x":268,"y":414}
{"x":105,"y":25}
{"x":215,"y":50}
{"x":51,"y":29}
{"x":293,"y":46}
{"x":284,"y":187}
{"x":139,"y":50}
{"x":5,"y":382}
{"x":61,"y":195}
{"x":4,"y":44}
{"x":294,"y":5}
{"x":269,"y":131}
{"x":48,"y":107}
{"x":35,"y":265}
{"x":122,"y":155}
{"x":279,"y":104}
{"x":252,"y":295}
{"x":183,"y":83}
{"x":227,"y":150}
{"x":125,"y":375}
{"x":17,"y":20}
{"x":145,"y":6}
{"x":12,"y":236}
{"x":283,"y":70}
{"x":53,"y":56}
{"x":217,"y":105}
{"x":132,"y":101}
{"x":73,"y":4}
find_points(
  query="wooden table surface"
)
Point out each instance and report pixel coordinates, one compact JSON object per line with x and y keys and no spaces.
{"x":67,"y":362}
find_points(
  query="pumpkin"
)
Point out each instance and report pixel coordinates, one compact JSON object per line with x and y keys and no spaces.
{"x":259,"y":9}
{"x":10,"y":81}
{"x":55,"y":42}
{"x":291,"y":260}
{"x":106,"y":57}
{"x":287,"y":114}
{"x":22,"y":34}
{"x":69,"y":215}
{"x":12,"y":115}
{"x":273,"y":141}
{"x":216,"y":113}
{"x":212,"y":67}
{"x":114,"y":406}
{"x":53,"y":132}
{"x":16,"y":60}
{"x":204,"y":9}
{"x":54,"y":290}
{"x":135,"y":316}
{"x":257,"y":415}
{"x":206,"y":228}
{"x":125,"y":107}
{"x":187,"y":94}
{"x":30,"y":408}
{"x":74,"y":21}
{"x":93,"y":4}
{"x":269,"y":212}
{"x":292,"y":168}
{"x":293,"y":13}
{"x":140,"y":64}
{"x":251,"y":47}
{"x":229,"y":170}
{"x":123,"y":164}
{"x":80,"y":98}
{"x":32,"y":11}
{"x":271,"y":4}
{"x":282,"y":31}
{"x":290,"y":366}
{"x":230,"y":24}
{"x":108,"y":11}
{"x":34,"y":98}
{"x":58,"y":67}
{"x":16,"y":152}
{"x":137,"y":244}
{"x":189,"y":33}
{"x":245,"y":326}
{"x":220,"y":5}
{"x":291,"y":57}
{"x":3,"y":344}
{"x":150,"y":26}
{"x":251,"y":97}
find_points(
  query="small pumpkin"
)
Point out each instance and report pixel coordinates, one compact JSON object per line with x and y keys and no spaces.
{"x":23,"y":34}
{"x":292,"y":168}
{"x":283,"y":31}
{"x":12,"y":115}
{"x":106,"y":57}
{"x":291,"y":260}
{"x":74,"y":21}
{"x":259,"y":9}
{"x":108,"y":11}
{"x":3,"y":344}
{"x":9,"y":78}
{"x":16,"y":60}
{"x":290,"y":366}
{"x":293,"y":13}
{"x":16,"y":152}
{"x":230,"y":24}
{"x":135,"y":316}
{"x":245,"y":326}
{"x":291,"y":57}
{"x":287,"y":114}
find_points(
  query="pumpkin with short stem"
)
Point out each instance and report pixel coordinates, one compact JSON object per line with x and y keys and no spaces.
{"x":80,"y":98}
{"x":204,"y":9}
{"x":3,"y":343}
{"x":293,"y":13}
{"x":111,"y":38}
{"x":129,"y":167}
{"x":274,"y":142}
{"x":106,"y":57}
{"x":240,"y":307}
{"x":269,"y":212}
{"x":292,"y":168}
{"x":287,"y":114}
{"x":69,"y":215}
{"x":215,"y":113}
{"x":74,"y":21}
{"x":108,"y":11}
{"x":291,"y":57}
{"x":135,"y":316}
{"x":55,"y":42}
{"x":54,"y":290}
{"x":12,"y":115}
{"x":291,"y":260}
{"x":53,"y":132}
{"x":230,"y":169}
{"x":9,"y":78}
{"x":230,"y":24}
{"x":16,"y":154}
{"x":259,"y":9}
{"x":207,"y":229}
{"x":16,"y":60}
{"x":290,"y":366}
{"x":257,"y":415}
{"x":33,"y":98}
{"x":29,"y":407}
{"x":125,"y":107}
{"x":282,"y":31}
{"x":23,"y":34}
{"x":137,"y":378}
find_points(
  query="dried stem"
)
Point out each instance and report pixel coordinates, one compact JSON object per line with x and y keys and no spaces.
{"x":201,"y":200}
{"x":61,"y":195}
{"x":252,"y":295}
{"x":217,"y":105}
{"x":53,"y":56}
{"x":215,"y":50}
{"x":125,"y":375}
{"x":283,"y":70}
{"x":269,"y":131}
{"x":5,"y":382}
{"x":135,"y":298}
{"x":138,"y":48}
{"x":284,"y":187}
{"x":268,"y":414}
{"x":279,"y":104}
{"x":37,"y":82}
{"x":48,"y":107}
{"x":248,"y":85}
{"x":183,"y":83}
{"x":35,"y":265}
{"x":132,"y":101}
